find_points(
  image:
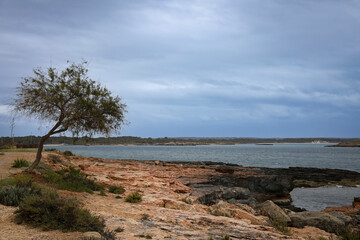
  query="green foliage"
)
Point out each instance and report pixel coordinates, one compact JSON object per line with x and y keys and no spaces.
{"x":51,"y":211}
{"x":67,"y":153}
{"x":116,"y":189}
{"x":134,"y":197}
{"x":102,"y":192}
{"x":225,"y":237}
{"x":20,"y":162}
{"x":71,"y":99}
{"x":147,"y":236}
{"x":145,"y":217}
{"x":13,"y":195}
{"x":23,"y":179}
{"x":349,"y":234}
{"x":108,"y":235}
{"x":119,"y":229}
{"x":72,"y":179}
{"x":281,"y":226}
{"x":7,"y":182}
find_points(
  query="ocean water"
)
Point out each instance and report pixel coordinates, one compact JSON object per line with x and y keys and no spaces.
{"x":273,"y":156}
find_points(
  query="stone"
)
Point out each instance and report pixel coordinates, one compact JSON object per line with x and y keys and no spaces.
{"x":219,"y":193}
{"x":91,"y":236}
{"x":273,"y":211}
{"x":178,"y":205}
{"x":322,"y":220}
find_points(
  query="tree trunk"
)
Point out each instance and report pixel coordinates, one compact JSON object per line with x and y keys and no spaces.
{"x":38,"y":154}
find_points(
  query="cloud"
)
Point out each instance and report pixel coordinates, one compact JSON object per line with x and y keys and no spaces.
{"x":192,"y":61}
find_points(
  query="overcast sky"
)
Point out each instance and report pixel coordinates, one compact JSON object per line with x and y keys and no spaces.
{"x":224,"y":68}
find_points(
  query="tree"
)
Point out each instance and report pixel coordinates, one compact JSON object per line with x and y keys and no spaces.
{"x":71,"y":100}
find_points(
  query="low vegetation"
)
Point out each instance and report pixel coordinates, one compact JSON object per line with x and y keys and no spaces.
{"x":281,"y":226}
{"x":134,"y":197}
{"x":72,"y":179}
{"x":116,"y":189}
{"x":51,"y":211}
{"x":20,"y":162}
{"x":67,"y":153}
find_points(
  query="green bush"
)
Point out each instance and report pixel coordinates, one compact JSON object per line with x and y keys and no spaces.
{"x":51,"y":211}
{"x":116,"y":189}
{"x":134,"y":197}
{"x":72,"y":179}
{"x":13,"y":195}
{"x":67,"y":153}
{"x":20,"y":162}
{"x":281,"y":226}
{"x":349,"y":234}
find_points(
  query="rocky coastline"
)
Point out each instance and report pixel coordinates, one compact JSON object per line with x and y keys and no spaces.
{"x":204,"y":200}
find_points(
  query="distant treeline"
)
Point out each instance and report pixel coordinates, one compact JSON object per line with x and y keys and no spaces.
{"x":30,"y":140}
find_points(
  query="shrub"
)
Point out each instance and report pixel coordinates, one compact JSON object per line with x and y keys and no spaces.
{"x":116,"y":189}
{"x":134,"y":197}
{"x":13,"y":195}
{"x":55,"y":158}
{"x":281,"y":226}
{"x":119,"y":229}
{"x":23,"y":180}
{"x":72,"y":179}
{"x":349,"y":234}
{"x":102,"y":193}
{"x":108,"y":235}
{"x":51,"y":211}
{"x":20,"y":162}
{"x":225,"y":237}
{"x":67,"y":153}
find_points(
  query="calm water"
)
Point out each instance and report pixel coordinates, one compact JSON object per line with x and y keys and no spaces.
{"x":275,"y":156}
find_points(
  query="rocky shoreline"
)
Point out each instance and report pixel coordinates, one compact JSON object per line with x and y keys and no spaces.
{"x":206,"y":200}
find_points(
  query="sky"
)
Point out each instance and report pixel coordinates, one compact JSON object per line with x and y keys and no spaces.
{"x":196,"y":68}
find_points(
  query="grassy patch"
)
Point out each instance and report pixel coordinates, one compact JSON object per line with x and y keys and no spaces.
{"x":20,"y":162}
{"x":134,"y":197}
{"x":281,"y":226}
{"x":349,"y":234}
{"x":13,"y":195}
{"x":72,"y":179}
{"x":116,"y":189}
{"x":51,"y":211}
{"x":19,"y":150}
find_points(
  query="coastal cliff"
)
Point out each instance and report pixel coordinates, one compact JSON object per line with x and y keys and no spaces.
{"x":194,"y":200}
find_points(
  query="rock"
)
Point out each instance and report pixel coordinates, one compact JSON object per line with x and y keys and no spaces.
{"x":273,"y":211}
{"x":225,"y":169}
{"x":219,"y":193}
{"x":325,"y":221}
{"x":343,"y":217}
{"x":356,"y":202}
{"x":91,"y":236}
{"x":227,"y":210}
{"x":178,"y":205}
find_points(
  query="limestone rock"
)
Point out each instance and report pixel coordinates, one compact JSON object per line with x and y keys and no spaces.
{"x":273,"y":211}
{"x":325,"y":221}
{"x":91,"y":236}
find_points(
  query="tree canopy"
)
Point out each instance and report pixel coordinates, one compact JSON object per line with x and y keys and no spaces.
{"x":70,"y":99}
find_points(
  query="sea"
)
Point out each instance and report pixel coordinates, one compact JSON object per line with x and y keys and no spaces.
{"x":273,"y":156}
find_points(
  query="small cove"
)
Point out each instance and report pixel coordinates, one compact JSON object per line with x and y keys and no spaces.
{"x":275,"y":156}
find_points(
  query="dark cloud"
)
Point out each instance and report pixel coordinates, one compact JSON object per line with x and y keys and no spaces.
{"x":185,"y":64}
